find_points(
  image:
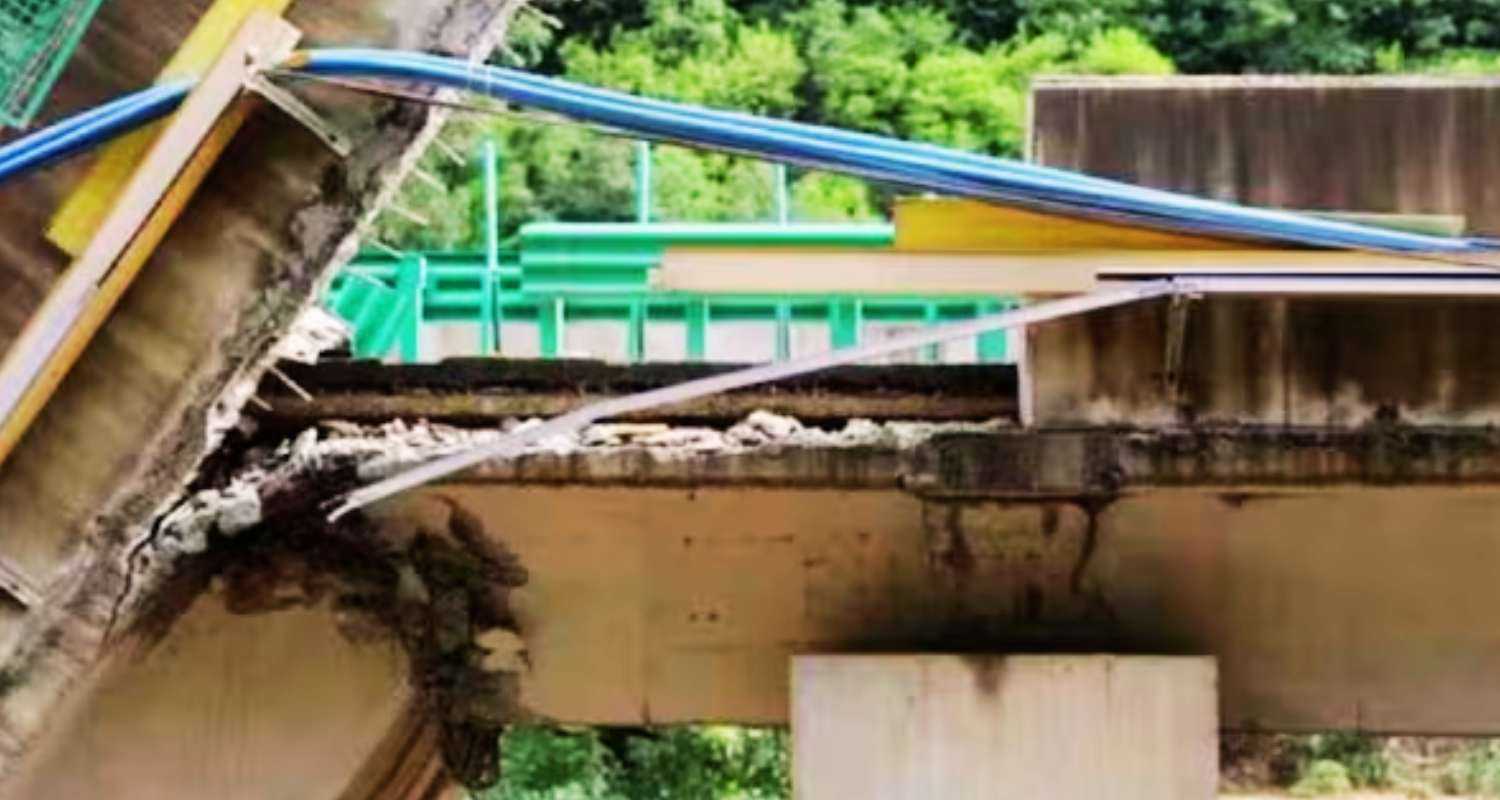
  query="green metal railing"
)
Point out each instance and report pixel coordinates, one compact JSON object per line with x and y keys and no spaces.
{"x":608,"y":257}
{"x":390,"y":301}
{"x":562,"y":274}
{"x":37,"y":37}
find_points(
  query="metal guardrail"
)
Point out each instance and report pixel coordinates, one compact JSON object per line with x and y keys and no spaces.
{"x":562,"y":273}
{"x":389,"y":301}
{"x":37,"y":38}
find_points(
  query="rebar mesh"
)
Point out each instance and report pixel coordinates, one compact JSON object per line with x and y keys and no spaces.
{"x":37,"y":37}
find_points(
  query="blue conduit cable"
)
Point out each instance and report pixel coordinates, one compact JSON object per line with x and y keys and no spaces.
{"x":90,"y":128}
{"x":921,"y":166}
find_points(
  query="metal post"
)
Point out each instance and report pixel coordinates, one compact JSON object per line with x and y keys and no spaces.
{"x":934,"y":352}
{"x":846,"y":319}
{"x":552,"y":313}
{"x":411,"y":284}
{"x":489,"y":334}
{"x":783,"y":331}
{"x":697,"y":329}
{"x":993,"y":347}
{"x":643,"y":182}
{"x":783,"y":201}
{"x":636,"y":336}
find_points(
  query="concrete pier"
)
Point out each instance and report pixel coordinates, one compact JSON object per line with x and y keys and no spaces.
{"x":903,"y":727}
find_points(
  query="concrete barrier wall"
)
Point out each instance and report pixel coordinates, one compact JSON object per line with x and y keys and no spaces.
{"x":900,"y":727}
{"x":1381,"y":144}
{"x":1407,"y":145}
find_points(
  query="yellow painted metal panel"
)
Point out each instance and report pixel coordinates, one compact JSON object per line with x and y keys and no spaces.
{"x":948,"y":224}
{"x":85,"y":209}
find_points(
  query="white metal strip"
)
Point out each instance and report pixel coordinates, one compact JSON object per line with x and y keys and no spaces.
{"x":1485,"y":285}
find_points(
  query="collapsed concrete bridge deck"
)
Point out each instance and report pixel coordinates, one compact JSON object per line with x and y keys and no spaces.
{"x":1322,"y":564}
{"x":1303,"y":488}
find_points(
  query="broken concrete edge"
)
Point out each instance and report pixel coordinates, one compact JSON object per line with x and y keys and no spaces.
{"x":296,"y":478}
{"x":439,"y":590}
{"x":299,"y":476}
{"x":989,"y":458}
{"x":70,"y":633}
{"x":438,"y":587}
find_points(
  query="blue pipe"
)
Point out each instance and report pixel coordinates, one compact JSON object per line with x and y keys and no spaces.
{"x":922,"y":166}
{"x":91,"y":128}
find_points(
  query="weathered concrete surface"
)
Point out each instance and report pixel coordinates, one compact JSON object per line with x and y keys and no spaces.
{"x":1297,"y":362}
{"x":1340,"y":577}
{"x":1360,"y":608}
{"x":903,"y":727}
{"x":227,"y":706}
{"x":436,"y":595}
{"x":1383,"y":144}
{"x":1388,"y":144}
{"x":149,"y":399}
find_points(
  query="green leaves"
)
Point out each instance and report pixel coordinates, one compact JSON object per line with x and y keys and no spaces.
{"x":904,"y":70}
{"x":977,"y":101}
{"x":696,"y":51}
{"x":683,"y":763}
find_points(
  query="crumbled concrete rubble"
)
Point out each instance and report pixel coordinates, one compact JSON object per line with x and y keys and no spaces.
{"x":315,"y":331}
{"x":369,"y":454}
{"x":396,"y":446}
{"x":438,"y":586}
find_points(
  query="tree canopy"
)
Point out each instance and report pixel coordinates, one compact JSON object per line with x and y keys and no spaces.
{"x":952,"y":72}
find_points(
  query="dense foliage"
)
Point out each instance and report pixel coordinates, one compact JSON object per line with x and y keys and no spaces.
{"x":699,"y":763}
{"x":1199,"y":35}
{"x":904,"y":71}
{"x":954,"y":72}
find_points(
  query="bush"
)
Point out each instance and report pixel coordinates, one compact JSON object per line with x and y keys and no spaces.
{"x":679,"y":763}
{"x":1322,"y":777}
{"x":1363,"y":758}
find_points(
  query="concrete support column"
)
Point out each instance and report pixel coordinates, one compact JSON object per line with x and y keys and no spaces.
{"x":904,"y":727}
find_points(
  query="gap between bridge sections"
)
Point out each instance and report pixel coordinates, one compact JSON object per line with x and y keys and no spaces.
{"x":514,"y":444}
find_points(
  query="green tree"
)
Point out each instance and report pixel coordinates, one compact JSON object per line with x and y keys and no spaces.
{"x":682,"y":763}
{"x":898,"y":69}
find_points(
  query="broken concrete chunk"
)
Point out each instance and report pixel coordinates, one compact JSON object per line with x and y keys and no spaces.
{"x":505,"y":651}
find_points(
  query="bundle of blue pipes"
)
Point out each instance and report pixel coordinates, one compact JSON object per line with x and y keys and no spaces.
{"x":917,"y":166}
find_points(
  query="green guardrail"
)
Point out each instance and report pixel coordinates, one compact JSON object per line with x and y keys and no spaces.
{"x":389,"y":300}
{"x":564,"y":273}
{"x":575,"y":257}
{"x":37,"y":38}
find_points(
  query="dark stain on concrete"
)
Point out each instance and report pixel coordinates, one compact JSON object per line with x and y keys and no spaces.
{"x":1049,"y":520}
{"x":1241,"y":499}
{"x":433,"y":594}
{"x":1099,"y":606}
{"x":989,"y":673}
{"x":957,"y":556}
